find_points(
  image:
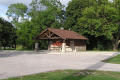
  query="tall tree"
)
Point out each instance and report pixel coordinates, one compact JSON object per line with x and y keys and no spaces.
{"x":101,"y":22}
{"x":16,"y":11}
{"x":47,"y":13}
{"x":97,"y":19}
{"x":116,"y":37}
{"x":53,"y":6}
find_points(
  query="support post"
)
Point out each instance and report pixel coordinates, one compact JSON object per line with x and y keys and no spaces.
{"x":73,"y":45}
{"x":63,"y":46}
{"x":36,"y":46}
{"x":49,"y":45}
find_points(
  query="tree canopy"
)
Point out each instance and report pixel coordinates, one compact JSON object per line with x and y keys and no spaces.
{"x":94,"y":18}
{"x":7,"y":34}
{"x":99,"y":20}
{"x":16,"y":11}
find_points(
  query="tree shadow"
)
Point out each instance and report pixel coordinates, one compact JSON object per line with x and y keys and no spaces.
{"x":84,"y":73}
{"x":12,"y":53}
{"x":9,"y":53}
{"x":47,"y":52}
{"x":87,"y":71}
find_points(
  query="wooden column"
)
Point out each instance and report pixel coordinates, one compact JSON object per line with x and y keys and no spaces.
{"x":36,"y":46}
{"x":64,"y":46}
{"x":49,"y":45}
{"x":73,"y":45}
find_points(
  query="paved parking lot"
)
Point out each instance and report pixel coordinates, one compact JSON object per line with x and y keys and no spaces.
{"x":19,"y":63}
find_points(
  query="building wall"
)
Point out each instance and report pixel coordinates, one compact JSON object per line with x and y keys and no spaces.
{"x":80,"y":45}
{"x":71,"y":45}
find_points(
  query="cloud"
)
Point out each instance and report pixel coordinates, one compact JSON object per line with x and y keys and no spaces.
{"x":6,"y":18}
{"x":8,"y":2}
{"x":27,"y":2}
{"x":65,"y":2}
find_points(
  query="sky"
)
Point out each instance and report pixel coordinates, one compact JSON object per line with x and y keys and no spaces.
{"x":5,"y":3}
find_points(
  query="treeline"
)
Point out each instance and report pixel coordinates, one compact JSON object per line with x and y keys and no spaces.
{"x":99,"y":20}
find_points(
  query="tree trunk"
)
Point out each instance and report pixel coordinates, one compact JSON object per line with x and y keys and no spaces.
{"x":116,"y":42}
{"x":115,"y":46}
{"x":4,"y":48}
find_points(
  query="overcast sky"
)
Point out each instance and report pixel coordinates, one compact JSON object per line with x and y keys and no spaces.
{"x":5,"y":3}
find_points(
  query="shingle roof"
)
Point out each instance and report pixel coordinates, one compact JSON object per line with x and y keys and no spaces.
{"x":66,"y":34}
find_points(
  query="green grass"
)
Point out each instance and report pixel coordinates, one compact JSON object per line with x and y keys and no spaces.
{"x":115,"y":60}
{"x":21,"y":48}
{"x":72,"y":75}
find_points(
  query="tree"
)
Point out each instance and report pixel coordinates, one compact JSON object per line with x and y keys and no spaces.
{"x":7,"y":34}
{"x":74,"y":11}
{"x":116,"y":37}
{"x":25,"y":34}
{"x":17,"y":11}
{"x":97,"y":19}
{"x":101,"y":22}
{"x":51,"y":8}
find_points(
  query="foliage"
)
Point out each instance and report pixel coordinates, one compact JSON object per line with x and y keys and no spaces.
{"x":17,"y":11}
{"x":72,"y":75}
{"x":74,"y":11}
{"x":97,"y":19}
{"x":25,"y":34}
{"x":98,"y":24}
{"x":7,"y":34}
{"x":51,"y":14}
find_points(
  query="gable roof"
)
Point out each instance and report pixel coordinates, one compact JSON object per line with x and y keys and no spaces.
{"x":65,"y":34}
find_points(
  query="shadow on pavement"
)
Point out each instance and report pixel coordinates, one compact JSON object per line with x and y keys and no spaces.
{"x":84,"y":73}
{"x":87,"y":71}
{"x":9,"y":53}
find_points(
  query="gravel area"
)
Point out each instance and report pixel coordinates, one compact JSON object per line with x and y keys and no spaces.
{"x":19,"y":63}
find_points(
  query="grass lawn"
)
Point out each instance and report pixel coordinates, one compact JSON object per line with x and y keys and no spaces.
{"x":115,"y":60}
{"x":72,"y":75}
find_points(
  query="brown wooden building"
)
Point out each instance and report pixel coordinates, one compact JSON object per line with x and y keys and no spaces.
{"x":62,"y":40}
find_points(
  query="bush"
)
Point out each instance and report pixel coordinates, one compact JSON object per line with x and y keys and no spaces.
{"x":19,"y":47}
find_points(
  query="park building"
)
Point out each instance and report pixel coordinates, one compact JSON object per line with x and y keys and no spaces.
{"x":62,"y":40}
